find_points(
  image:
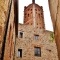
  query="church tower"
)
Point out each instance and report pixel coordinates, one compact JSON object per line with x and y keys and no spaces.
{"x":33,"y":15}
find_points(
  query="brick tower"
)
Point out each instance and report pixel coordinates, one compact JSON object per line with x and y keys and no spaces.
{"x":33,"y":15}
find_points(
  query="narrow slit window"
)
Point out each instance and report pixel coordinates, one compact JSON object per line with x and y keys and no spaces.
{"x":28,"y":15}
{"x":39,"y":15}
{"x":20,"y":53}
{"x":20,"y":34}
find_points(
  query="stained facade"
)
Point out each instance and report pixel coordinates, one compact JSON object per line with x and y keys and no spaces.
{"x":54,"y":6}
{"x":34,"y":42}
{"x":7,"y":29}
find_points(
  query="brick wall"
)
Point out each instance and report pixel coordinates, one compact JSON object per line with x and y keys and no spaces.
{"x":33,"y":15}
{"x":27,"y":44}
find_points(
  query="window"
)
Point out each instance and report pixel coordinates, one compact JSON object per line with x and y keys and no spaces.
{"x":21,"y":34}
{"x":31,"y":9}
{"x":39,"y":9}
{"x":39,"y":15}
{"x":28,"y":9}
{"x":28,"y":15}
{"x":37,"y":51}
{"x":25,"y":13}
{"x":19,"y":52}
{"x":37,"y":23}
{"x":35,"y":9}
{"x":36,"y":37}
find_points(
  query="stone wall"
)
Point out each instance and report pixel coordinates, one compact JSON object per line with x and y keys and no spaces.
{"x":27,"y":44}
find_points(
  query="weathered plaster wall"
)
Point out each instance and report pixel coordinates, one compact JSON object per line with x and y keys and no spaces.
{"x":55,"y":14}
{"x":3,"y":17}
{"x":53,"y":9}
{"x":10,"y":38}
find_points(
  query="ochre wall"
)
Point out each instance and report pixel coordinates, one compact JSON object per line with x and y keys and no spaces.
{"x":10,"y":38}
{"x":55,"y":14}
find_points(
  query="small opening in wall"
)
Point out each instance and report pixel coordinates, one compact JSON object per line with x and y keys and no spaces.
{"x":28,"y":9}
{"x":35,"y":9}
{"x":40,"y":27}
{"x":31,"y":23}
{"x":20,"y":53}
{"x":36,"y":12}
{"x":37,"y":27}
{"x":25,"y":13}
{"x":39,"y":9}
{"x":27,"y":23}
{"x":28,"y":15}
{"x":31,"y":12}
{"x":37,"y":23}
{"x":31,"y":9}
{"x":39,"y":15}
{"x":20,"y":34}
{"x":25,"y":16}
{"x":36,"y":37}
